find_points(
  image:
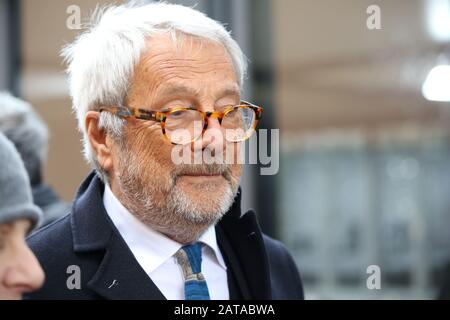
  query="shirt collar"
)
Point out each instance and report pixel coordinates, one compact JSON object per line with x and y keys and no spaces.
{"x":210,"y":239}
{"x":154,"y":247}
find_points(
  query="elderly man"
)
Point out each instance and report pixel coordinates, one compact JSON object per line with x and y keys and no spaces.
{"x":20,"y":271}
{"x":144,"y":81}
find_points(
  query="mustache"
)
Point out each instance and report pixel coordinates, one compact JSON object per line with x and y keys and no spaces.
{"x":202,"y":169}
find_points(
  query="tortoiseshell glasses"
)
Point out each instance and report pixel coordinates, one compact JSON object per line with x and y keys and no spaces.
{"x":183,"y":125}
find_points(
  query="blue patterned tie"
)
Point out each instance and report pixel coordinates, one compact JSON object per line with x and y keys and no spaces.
{"x":190,"y":259}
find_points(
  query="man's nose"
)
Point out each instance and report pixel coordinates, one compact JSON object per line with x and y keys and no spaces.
{"x":213,"y":137}
{"x":24,"y":273}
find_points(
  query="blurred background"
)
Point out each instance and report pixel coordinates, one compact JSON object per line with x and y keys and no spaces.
{"x":364,"y":119}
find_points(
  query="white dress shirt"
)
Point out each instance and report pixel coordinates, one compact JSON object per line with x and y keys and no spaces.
{"x":155,"y":253}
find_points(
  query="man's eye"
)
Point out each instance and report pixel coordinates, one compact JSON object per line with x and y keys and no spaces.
{"x":176,"y":114}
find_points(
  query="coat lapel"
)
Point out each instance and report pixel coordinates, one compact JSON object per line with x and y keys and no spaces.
{"x":119,"y":275}
{"x":245,"y":239}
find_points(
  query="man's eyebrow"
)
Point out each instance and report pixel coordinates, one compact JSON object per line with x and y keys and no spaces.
{"x":231,"y":90}
{"x":173,"y":90}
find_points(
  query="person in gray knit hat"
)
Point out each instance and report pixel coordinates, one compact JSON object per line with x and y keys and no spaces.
{"x":20,"y":271}
{"x":28,"y":132}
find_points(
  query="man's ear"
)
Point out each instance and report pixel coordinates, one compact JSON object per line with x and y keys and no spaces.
{"x":99,"y":141}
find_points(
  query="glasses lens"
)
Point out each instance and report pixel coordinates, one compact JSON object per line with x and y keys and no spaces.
{"x":239,"y":123}
{"x":184,"y":126}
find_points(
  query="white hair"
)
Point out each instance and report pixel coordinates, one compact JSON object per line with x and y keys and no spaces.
{"x":102,"y":59}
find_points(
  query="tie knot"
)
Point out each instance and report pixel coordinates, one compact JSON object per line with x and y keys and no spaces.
{"x":190,"y":258}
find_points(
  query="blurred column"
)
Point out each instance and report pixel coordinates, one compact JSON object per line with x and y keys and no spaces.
{"x":262,"y":79}
{"x":10,"y":45}
{"x":240,"y":13}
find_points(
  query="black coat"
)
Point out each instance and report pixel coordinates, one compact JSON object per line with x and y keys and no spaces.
{"x":259,"y":267}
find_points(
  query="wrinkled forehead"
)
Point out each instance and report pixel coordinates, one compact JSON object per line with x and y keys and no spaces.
{"x":177,"y":49}
{"x":184,"y":61}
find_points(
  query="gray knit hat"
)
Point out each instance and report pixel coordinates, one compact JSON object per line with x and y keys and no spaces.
{"x":16,"y":200}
